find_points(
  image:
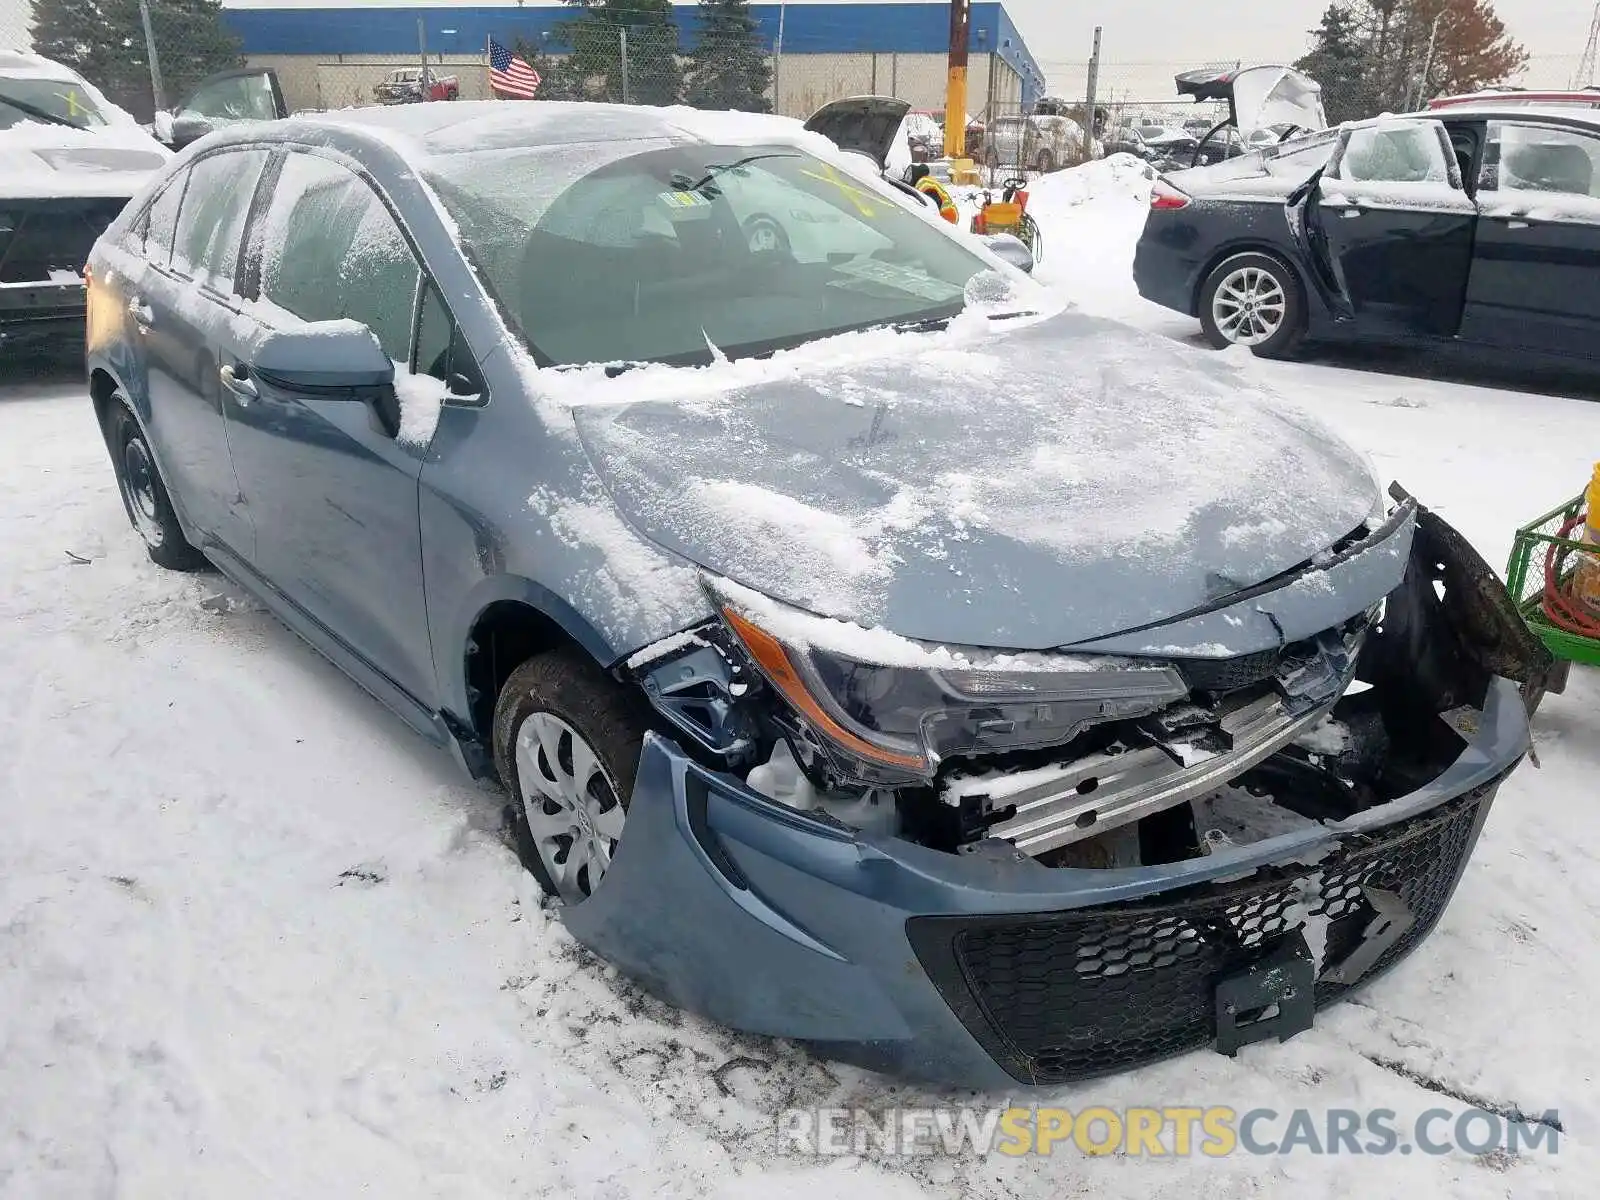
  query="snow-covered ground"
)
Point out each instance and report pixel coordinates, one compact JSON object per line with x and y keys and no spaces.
{"x":257,"y":940}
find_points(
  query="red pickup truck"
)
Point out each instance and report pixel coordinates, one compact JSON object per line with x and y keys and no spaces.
{"x":405,"y":86}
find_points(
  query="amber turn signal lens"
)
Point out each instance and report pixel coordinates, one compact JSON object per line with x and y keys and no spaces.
{"x":775,"y":664}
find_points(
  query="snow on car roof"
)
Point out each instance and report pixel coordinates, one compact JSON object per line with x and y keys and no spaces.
{"x":486,"y":124}
{"x":32,"y":66}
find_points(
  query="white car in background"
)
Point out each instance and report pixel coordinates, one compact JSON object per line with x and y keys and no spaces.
{"x":69,"y":161}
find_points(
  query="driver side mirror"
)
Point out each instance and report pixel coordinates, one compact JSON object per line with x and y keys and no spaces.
{"x":1012,"y":249}
{"x":163,"y":127}
{"x":185,"y":128}
{"x":332,"y":360}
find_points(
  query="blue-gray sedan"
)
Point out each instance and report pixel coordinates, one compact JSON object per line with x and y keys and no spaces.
{"x":875,"y":653}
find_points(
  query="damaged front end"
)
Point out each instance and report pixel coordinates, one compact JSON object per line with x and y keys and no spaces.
{"x":1092,"y":860}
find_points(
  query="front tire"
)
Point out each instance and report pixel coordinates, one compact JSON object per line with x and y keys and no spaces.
{"x":1047,"y":162}
{"x":566,"y":745}
{"x":1254,"y":300}
{"x":144,"y":494}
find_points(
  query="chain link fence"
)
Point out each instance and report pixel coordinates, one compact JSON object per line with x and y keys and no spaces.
{"x":15,"y":18}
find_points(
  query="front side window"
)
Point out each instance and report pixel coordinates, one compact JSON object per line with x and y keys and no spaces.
{"x":47,"y":101}
{"x":212,"y":216}
{"x":331,"y":250}
{"x":1542,"y":166}
{"x":660,"y":255}
{"x":441,"y":351}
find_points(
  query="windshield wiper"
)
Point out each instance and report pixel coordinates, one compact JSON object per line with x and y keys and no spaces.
{"x":50,"y":118}
{"x":717,"y":169}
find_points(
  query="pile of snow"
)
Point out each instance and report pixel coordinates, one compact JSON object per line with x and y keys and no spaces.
{"x":1119,"y":178}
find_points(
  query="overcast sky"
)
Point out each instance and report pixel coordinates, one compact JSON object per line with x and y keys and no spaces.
{"x":1169,"y":32}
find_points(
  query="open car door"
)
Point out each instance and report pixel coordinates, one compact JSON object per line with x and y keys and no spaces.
{"x":1392,"y":225}
{"x":226,"y":98}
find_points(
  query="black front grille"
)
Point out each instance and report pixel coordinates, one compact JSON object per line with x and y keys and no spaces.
{"x":1063,"y":996}
{"x":1229,"y":674}
{"x":41,"y":236}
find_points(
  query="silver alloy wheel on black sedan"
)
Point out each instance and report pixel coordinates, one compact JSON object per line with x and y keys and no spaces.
{"x":1249,"y":306}
{"x":1253,"y":300}
{"x":570,"y":804}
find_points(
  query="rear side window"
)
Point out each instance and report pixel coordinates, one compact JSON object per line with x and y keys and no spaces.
{"x":330,"y":249}
{"x":152,"y":236}
{"x":211,"y":218}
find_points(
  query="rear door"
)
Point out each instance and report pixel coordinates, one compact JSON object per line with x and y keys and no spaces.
{"x":180,"y":309}
{"x":1394,"y":225}
{"x":333,"y":496}
{"x":1536,"y":271}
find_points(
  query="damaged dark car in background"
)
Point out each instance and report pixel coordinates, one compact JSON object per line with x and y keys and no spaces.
{"x":1118,"y":715}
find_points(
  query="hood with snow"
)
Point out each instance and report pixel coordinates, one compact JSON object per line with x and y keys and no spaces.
{"x":1027,"y":488}
{"x":43,"y":161}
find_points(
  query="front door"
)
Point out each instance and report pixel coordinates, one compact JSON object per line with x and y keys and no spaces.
{"x":223,"y":99}
{"x":1536,"y":271}
{"x":1394,"y":225}
{"x":333,"y":496}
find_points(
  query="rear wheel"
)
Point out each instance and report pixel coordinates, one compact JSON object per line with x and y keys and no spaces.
{"x":566,"y":744}
{"x":1253,"y":300}
{"x":144,"y":494}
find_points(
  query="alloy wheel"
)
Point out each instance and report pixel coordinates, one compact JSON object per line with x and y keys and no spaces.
{"x":1249,"y":306}
{"x":574,"y":816}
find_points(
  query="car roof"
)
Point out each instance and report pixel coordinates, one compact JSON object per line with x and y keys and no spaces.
{"x":1500,"y":109}
{"x":426,"y":130}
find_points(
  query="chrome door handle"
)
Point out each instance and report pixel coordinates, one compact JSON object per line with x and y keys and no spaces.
{"x":239,"y":383}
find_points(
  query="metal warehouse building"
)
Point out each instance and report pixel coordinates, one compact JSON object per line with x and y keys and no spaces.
{"x":331,"y":55}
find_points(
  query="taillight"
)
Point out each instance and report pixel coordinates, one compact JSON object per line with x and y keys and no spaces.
{"x":1164,"y":196}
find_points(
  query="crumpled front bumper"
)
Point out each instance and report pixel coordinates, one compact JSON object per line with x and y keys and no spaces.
{"x":891,"y":955}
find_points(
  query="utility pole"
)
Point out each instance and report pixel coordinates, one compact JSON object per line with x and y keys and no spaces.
{"x":1427,"y":67}
{"x":157,"y":92}
{"x":1094,"y":84}
{"x":777,"y":61}
{"x":955,"y":99}
{"x":1584,"y":76}
{"x":622,"y":33}
{"x":422,"y":49}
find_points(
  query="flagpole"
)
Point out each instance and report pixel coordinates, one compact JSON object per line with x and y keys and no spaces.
{"x":488,"y":62}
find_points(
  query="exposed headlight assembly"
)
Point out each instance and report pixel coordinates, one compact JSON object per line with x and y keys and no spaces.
{"x":893,"y":723}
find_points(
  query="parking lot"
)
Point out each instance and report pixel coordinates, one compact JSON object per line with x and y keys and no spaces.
{"x":257,"y":939}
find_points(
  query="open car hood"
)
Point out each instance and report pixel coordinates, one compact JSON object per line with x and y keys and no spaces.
{"x":1260,"y":97}
{"x":1047,"y":486}
{"x":869,"y":125}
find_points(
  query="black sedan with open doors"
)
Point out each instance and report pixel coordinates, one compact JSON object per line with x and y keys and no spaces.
{"x":1478,"y":225}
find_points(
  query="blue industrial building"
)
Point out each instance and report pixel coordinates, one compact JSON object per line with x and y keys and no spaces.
{"x":884,"y":43}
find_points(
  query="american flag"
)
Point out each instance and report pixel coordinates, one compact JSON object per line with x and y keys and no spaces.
{"x":509,"y":75}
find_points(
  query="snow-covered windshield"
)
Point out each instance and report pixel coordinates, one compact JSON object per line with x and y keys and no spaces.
{"x":684,"y":252}
{"x":47,"y":101}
